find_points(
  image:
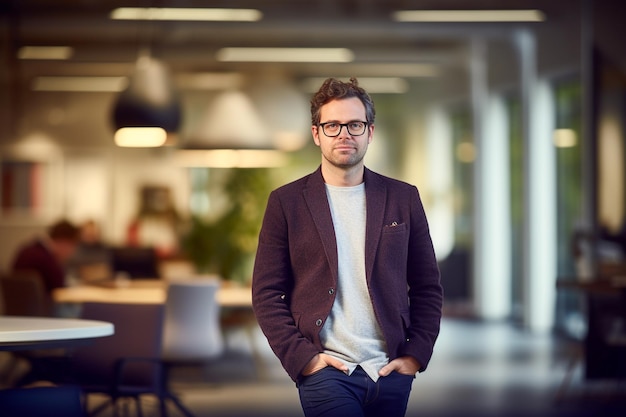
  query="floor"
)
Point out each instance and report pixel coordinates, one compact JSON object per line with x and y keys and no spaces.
{"x":478,"y":369}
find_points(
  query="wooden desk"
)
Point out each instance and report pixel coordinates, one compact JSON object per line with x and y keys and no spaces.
{"x":144,"y":291}
{"x":606,"y":285}
{"x":23,"y":333}
{"x":604,"y":305}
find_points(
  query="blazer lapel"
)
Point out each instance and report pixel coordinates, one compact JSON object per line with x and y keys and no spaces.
{"x":375,"y":195}
{"x":317,"y":203}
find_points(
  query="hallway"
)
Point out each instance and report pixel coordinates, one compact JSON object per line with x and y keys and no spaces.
{"x":479,"y":369}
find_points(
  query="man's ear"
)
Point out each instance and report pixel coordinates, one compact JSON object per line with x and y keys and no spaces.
{"x":316,"y":136}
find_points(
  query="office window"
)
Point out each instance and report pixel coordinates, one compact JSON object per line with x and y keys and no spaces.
{"x":199,"y":203}
{"x":570,"y":317}
{"x":463,"y":142}
{"x":516,"y":178}
{"x":457,"y":272}
{"x":569,"y":170}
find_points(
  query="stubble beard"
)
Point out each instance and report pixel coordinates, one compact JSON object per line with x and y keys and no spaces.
{"x":343,"y":163}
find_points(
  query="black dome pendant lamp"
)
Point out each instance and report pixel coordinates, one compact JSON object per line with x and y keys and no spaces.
{"x":148,"y":112}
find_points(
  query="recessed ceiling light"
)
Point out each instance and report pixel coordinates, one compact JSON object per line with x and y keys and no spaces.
{"x":373,"y":85}
{"x":231,"y":158}
{"x":45,"y":52}
{"x":468,"y":16}
{"x":190,"y":14}
{"x":210,"y":81}
{"x":285,"y":55}
{"x":80,"y":84}
{"x":406,"y":70}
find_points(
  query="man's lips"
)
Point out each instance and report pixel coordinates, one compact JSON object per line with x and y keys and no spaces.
{"x":344,"y":148}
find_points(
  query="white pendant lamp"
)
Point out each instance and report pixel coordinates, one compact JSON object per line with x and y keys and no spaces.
{"x":230,"y":134}
{"x":230,"y":122}
{"x":285,"y":110}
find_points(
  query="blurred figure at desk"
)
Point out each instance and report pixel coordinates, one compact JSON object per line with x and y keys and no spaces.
{"x":48,"y":255}
{"x":92,"y":260}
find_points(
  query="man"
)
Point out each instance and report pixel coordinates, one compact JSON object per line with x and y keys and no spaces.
{"x":346,"y":286}
{"x":48,"y":255}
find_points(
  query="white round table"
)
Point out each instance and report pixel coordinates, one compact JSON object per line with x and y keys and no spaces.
{"x":23,"y":333}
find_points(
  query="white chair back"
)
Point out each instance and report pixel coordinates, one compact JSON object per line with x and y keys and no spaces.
{"x":192,"y":321}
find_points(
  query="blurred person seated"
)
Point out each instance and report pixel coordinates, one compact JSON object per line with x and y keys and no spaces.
{"x":48,"y":255}
{"x":92,"y":259}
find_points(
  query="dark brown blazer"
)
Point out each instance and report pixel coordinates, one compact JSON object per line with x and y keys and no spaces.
{"x":295,"y":272}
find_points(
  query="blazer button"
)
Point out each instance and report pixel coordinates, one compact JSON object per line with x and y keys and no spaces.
{"x":318,"y":322}
{"x":331,"y":291}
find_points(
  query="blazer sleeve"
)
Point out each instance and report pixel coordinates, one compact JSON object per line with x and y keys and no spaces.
{"x":425,"y":290}
{"x":272,"y":282}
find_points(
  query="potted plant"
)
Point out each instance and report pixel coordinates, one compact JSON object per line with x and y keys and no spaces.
{"x":226,"y":245}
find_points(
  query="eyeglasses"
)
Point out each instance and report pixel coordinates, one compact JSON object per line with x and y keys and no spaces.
{"x":332,"y":129}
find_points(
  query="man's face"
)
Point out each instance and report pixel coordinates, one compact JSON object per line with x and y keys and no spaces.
{"x":344,"y":150}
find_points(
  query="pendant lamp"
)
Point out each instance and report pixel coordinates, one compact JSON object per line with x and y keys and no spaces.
{"x":285,"y":110}
{"x":230,"y":122}
{"x":148,"y":112}
{"x":230,"y":133}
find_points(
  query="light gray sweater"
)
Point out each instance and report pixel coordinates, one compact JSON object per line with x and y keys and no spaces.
{"x":351,"y":332}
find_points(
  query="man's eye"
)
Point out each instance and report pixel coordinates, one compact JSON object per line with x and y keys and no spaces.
{"x":356,"y":125}
{"x":332,"y":126}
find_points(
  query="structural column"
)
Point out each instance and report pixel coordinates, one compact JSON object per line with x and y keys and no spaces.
{"x":492,"y":242}
{"x":539,"y":246}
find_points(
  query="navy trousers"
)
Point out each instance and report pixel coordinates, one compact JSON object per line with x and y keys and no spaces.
{"x":330,"y":392}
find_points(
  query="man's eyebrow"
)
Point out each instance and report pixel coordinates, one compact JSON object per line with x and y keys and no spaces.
{"x":349,"y":121}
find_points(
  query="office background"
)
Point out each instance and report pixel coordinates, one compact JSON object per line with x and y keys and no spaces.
{"x":513,"y":131}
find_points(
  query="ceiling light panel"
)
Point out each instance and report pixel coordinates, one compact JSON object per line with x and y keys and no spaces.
{"x":285,"y":55}
{"x":186,"y":14}
{"x":373,"y":85}
{"x":210,"y":81}
{"x":80,"y":84}
{"x":45,"y":52}
{"x":461,"y":16}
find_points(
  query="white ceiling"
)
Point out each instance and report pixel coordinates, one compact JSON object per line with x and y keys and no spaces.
{"x":382,"y":47}
{"x":106,"y":47}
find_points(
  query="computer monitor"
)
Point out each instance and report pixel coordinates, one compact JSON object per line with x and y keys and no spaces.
{"x":136,"y":262}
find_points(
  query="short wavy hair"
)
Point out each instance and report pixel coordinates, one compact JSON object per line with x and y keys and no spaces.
{"x":334,"y":89}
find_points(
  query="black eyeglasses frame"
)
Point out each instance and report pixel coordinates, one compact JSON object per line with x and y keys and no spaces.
{"x":342,"y":125}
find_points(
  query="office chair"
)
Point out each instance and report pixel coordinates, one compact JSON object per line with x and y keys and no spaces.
{"x":192,"y":329}
{"x":24,"y":294}
{"x":192,"y":333}
{"x":126,"y":364}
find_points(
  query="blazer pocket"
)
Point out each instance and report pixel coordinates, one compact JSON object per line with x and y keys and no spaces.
{"x":394,"y":228}
{"x":391,"y":259}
